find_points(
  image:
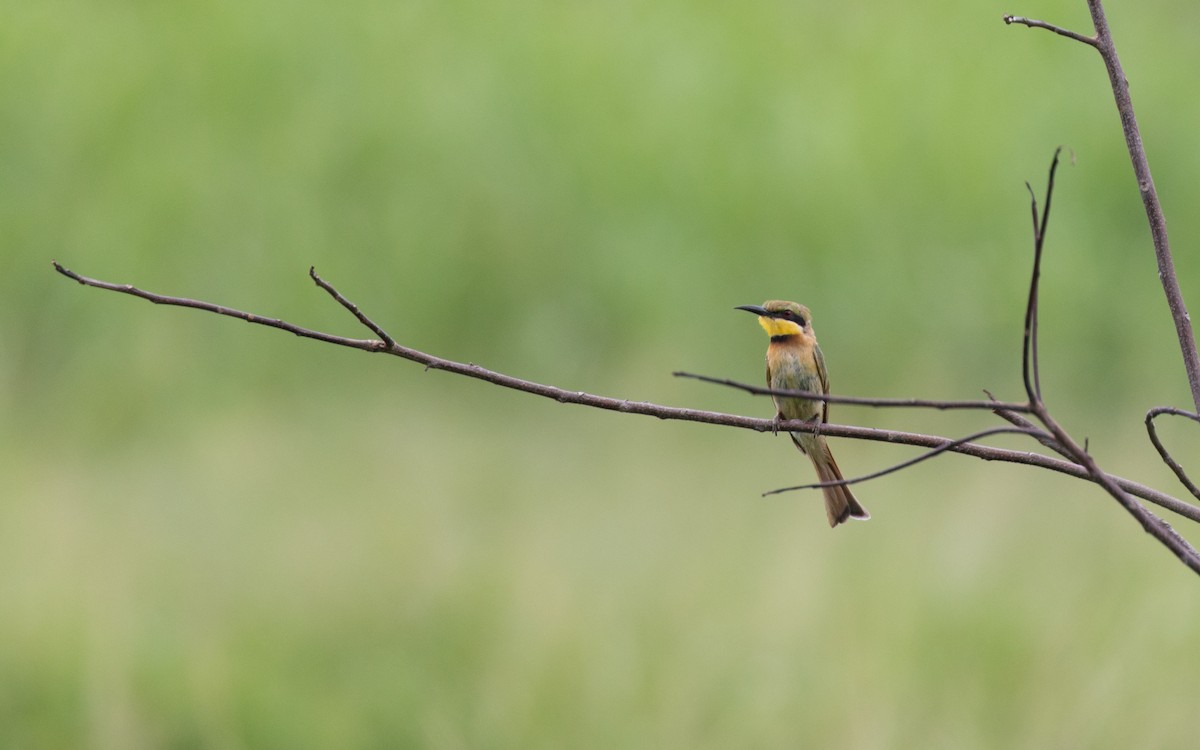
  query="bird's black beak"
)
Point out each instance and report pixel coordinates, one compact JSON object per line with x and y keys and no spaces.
{"x":754,"y":309}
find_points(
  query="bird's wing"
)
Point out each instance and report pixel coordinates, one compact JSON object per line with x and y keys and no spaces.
{"x":824,"y":375}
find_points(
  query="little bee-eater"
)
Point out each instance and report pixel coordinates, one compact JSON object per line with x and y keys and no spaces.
{"x":794,"y":363}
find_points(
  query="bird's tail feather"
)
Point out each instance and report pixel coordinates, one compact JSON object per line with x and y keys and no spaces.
{"x":840,"y":503}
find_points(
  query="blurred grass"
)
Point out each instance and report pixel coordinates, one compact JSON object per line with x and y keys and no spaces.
{"x":218,"y":536}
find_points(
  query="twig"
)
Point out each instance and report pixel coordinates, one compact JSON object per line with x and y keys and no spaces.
{"x":160,"y":299}
{"x":353,"y":308}
{"x":858,"y":400}
{"x":1032,"y":23}
{"x":1032,"y":431}
{"x":985,"y":452}
{"x":1163,"y":452}
{"x":1029,"y":357}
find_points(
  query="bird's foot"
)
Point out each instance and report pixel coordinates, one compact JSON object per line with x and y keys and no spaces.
{"x":816,"y":422}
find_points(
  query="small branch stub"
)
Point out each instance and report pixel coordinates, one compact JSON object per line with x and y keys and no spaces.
{"x":1035,"y":24}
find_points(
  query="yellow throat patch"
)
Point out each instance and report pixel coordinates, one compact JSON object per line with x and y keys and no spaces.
{"x":779,"y":327}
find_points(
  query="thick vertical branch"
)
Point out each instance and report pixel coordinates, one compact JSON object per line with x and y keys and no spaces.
{"x":1103,"y":43}
{"x":1154,"y":213}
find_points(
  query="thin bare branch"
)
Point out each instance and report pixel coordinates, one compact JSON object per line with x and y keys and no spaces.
{"x":985,"y":452}
{"x":1041,"y":242}
{"x":1035,"y":24}
{"x":159,"y":299}
{"x":857,"y":400}
{"x":1032,"y":431}
{"x":353,"y":308}
{"x":1029,"y":344}
{"x":1163,"y":452}
{"x":1030,"y":370}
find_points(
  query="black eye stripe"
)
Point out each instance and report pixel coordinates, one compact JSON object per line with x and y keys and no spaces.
{"x":795,"y":317}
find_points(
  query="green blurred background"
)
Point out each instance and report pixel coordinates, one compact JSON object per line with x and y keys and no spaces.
{"x":214,"y":535}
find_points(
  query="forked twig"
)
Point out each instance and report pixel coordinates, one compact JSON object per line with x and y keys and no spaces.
{"x":1029,"y":360}
{"x":353,"y":308}
{"x":1163,"y":452}
{"x":1151,"y":523}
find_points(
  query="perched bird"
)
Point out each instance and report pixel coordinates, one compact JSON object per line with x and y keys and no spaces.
{"x":794,"y":363}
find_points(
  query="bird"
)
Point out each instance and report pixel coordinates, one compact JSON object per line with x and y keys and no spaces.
{"x":795,"y":363}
